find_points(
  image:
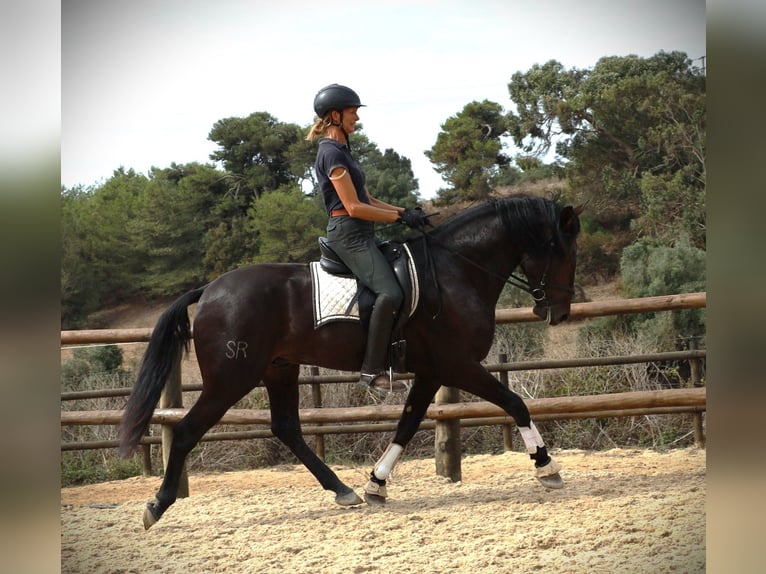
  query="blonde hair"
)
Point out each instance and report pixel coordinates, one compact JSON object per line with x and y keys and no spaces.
{"x":319,"y":128}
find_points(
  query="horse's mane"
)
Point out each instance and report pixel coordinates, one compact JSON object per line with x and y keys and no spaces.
{"x":532,"y":221}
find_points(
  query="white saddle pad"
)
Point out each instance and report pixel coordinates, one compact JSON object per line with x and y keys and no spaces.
{"x":332,"y":295}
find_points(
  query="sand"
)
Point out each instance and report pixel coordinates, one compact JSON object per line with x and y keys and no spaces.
{"x":621,"y":511}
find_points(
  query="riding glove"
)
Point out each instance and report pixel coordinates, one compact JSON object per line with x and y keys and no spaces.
{"x":414,"y":218}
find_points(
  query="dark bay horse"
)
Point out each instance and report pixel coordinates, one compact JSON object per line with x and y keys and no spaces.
{"x":265,"y":312}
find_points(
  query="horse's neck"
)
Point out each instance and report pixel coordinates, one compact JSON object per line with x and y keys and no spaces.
{"x":485,"y":251}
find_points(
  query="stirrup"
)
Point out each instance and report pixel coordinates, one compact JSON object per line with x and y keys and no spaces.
{"x":383,"y":382}
{"x":379,"y":380}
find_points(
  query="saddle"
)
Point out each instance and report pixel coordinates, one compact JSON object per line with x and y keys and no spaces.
{"x":400,"y":259}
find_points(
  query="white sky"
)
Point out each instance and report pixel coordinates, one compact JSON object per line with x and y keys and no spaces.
{"x":144,"y":81}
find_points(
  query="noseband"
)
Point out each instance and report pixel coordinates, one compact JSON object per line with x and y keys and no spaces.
{"x":539,"y":293}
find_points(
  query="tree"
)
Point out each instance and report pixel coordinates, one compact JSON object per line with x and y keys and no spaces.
{"x":186,"y":224}
{"x":390,"y":177}
{"x":228,"y":245}
{"x":177,"y":209}
{"x":468,"y":152}
{"x":287,"y":224}
{"x":78,"y":296}
{"x":100,"y":259}
{"x":301,"y":156}
{"x":625,"y":119}
{"x":254,"y":152}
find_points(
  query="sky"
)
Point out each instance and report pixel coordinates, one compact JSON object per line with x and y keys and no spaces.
{"x":143,"y":82}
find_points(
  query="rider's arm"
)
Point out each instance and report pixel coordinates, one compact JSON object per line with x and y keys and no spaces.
{"x":382,"y":204}
{"x":375,"y":211}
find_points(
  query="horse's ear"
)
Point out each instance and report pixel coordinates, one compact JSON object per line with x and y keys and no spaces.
{"x":580,"y":208}
{"x":566,"y":218}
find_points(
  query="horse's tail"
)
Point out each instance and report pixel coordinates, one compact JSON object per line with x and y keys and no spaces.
{"x":169,"y":338}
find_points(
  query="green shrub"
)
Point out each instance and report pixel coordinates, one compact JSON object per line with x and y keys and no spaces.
{"x":92,"y":466}
{"x":650,"y":269}
{"x":88,"y":362}
{"x":595,"y":255}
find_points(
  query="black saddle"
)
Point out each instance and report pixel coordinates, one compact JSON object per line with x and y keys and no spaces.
{"x":398,"y":258}
{"x":330,"y":262}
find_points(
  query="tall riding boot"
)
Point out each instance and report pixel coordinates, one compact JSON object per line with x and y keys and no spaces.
{"x":374,"y":369}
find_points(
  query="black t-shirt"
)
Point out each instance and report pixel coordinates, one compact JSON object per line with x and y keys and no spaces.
{"x":332,"y":154}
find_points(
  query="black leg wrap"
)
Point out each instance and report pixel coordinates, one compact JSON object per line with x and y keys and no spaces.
{"x":376,"y":480}
{"x":541,"y":457}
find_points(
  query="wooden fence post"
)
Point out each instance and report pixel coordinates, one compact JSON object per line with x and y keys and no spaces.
{"x":695,"y":368}
{"x":172,"y":398}
{"x":447,"y":440}
{"x":316,"y":394}
{"x":502,"y":358}
{"x":146,"y":459}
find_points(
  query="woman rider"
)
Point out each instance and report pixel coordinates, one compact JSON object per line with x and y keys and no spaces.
{"x":353,"y":212}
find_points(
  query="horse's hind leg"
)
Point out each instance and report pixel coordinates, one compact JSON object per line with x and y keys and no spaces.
{"x":207,"y":411}
{"x":282,"y":385}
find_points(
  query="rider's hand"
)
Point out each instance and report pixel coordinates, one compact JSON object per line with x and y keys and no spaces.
{"x":414,"y":218}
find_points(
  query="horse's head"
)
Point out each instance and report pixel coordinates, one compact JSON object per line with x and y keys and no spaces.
{"x":550,"y":271}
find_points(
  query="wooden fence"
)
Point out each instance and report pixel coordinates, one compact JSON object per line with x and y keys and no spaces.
{"x":444,"y":415}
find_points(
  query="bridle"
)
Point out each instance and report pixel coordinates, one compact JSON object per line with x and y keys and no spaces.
{"x":539,"y":293}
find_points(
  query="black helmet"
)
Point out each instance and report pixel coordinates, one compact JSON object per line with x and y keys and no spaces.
{"x":335,"y":97}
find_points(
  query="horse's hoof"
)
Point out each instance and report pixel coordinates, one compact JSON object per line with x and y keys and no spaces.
{"x":374,"y":499}
{"x":553,"y":481}
{"x":549,"y":475}
{"x":150,"y":518}
{"x":348,"y":499}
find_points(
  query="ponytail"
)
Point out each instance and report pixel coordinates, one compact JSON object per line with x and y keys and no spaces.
{"x":320,"y":127}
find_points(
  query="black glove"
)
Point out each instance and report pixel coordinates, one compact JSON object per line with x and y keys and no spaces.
{"x":414,"y":218}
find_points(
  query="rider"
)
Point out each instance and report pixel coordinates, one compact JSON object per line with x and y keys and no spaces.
{"x":353,"y":212}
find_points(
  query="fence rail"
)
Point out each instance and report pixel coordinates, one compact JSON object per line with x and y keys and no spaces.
{"x":491,"y":367}
{"x":381,"y":418}
{"x":521,"y":315}
{"x":559,"y":406}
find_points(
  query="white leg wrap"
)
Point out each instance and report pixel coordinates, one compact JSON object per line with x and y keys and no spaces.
{"x":386,"y":463}
{"x":532,"y":438}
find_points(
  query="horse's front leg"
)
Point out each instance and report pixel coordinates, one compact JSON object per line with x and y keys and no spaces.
{"x":475,"y":379}
{"x":420,"y":396}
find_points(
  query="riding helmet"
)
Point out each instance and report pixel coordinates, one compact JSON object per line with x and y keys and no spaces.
{"x":335,"y":97}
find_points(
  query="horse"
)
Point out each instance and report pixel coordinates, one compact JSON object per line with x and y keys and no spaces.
{"x":265,"y":311}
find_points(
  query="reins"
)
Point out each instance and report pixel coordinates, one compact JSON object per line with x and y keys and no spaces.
{"x":538,"y":293}
{"x":513,"y":280}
